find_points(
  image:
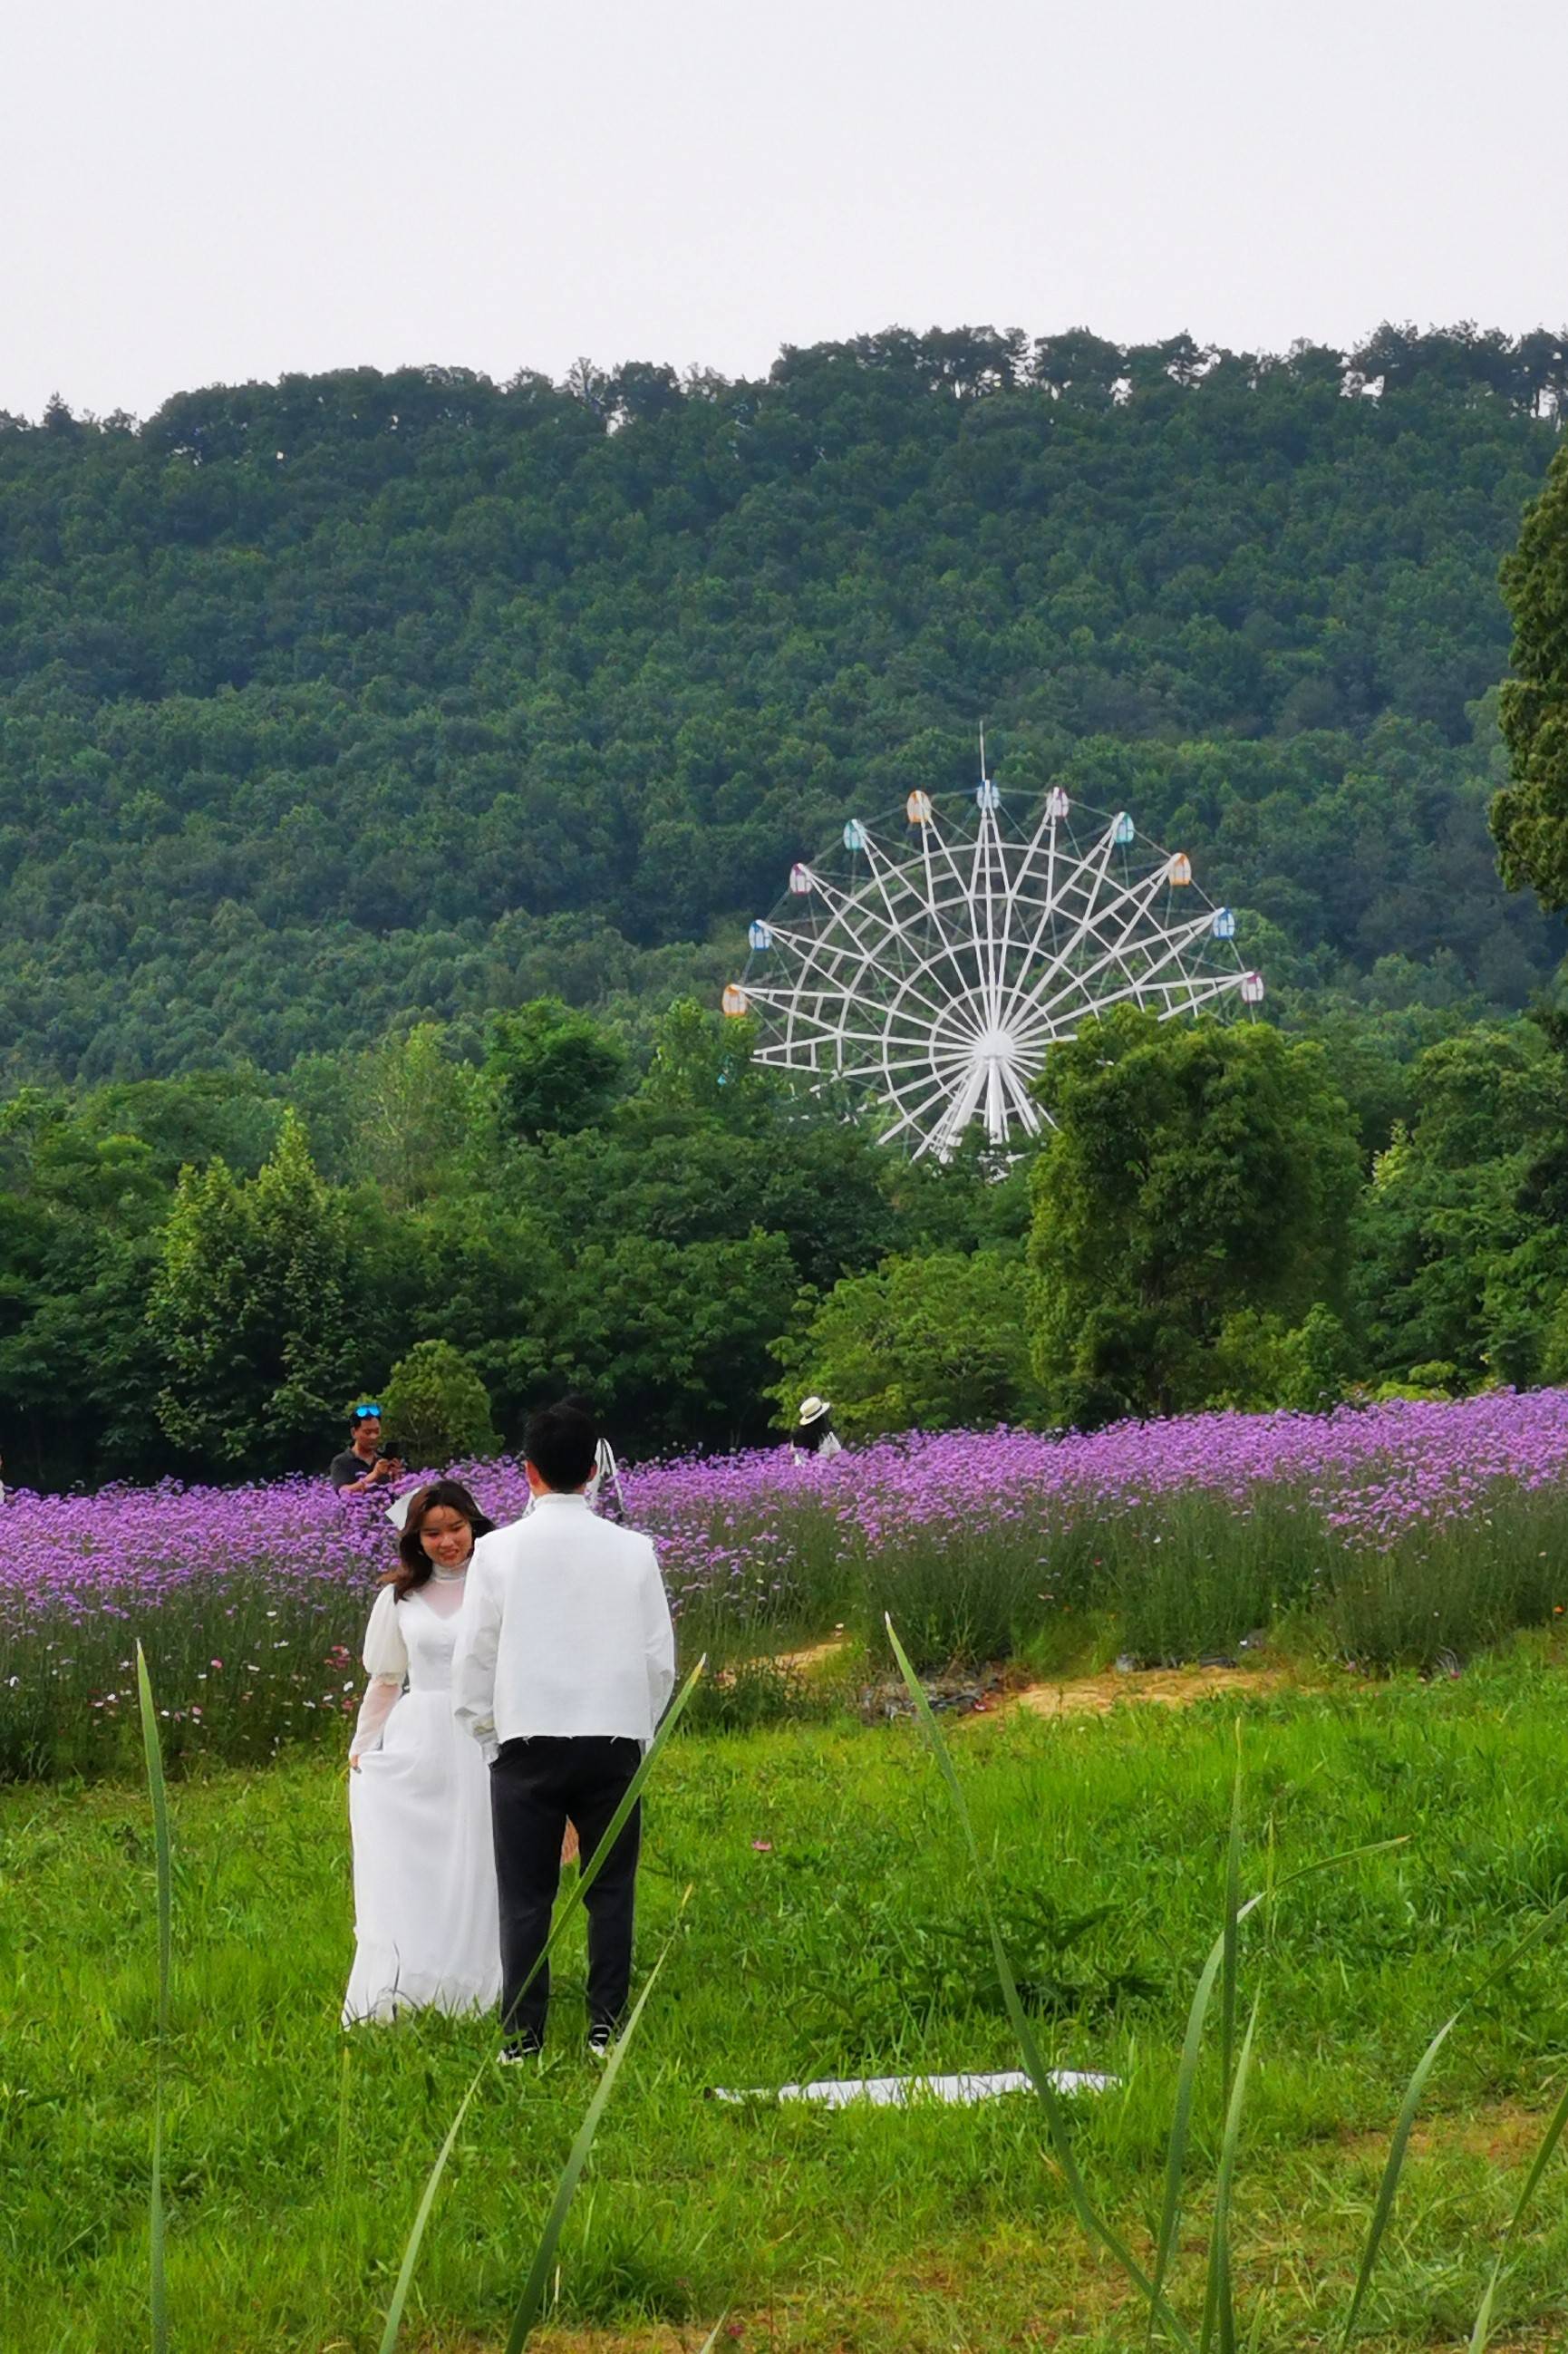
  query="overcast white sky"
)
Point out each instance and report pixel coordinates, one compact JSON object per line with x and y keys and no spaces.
{"x":194,"y":190}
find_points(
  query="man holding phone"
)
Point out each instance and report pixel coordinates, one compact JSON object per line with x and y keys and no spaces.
{"x":364,"y":1464}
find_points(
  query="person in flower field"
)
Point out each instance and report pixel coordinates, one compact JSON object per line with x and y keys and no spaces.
{"x":362,"y":1466}
{"x":565,"y":1663}
{"x":424,"y":1878}
{"x":814,"y":1436}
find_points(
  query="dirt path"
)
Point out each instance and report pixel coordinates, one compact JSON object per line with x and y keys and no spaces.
{"x":1087,"y":1695}
{"x":813,"y":1656}
{"x":1168,"y":1687}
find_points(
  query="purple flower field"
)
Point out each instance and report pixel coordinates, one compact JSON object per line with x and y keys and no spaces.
{"x":1403,"y":1531}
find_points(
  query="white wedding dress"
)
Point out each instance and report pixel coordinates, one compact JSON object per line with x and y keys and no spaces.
{"x":424,"y":1870}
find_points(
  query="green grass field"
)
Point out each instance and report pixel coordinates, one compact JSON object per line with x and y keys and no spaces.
{"x":832,"y":1926}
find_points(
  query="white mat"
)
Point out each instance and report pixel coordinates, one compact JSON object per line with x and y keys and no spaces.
{"x":899,"y":2092}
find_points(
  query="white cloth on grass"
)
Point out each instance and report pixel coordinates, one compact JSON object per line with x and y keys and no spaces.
{"x":565,"y":1630}
{"x":904,"y":2092}
{"x":426,"y":1926}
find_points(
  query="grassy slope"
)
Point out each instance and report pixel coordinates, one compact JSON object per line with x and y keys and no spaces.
{"x":297,"y":2157}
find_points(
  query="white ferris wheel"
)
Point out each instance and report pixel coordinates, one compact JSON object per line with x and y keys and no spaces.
{"x":927,"y":965}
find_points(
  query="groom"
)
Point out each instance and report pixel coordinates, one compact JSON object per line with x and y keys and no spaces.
{"x":565,"y":1663}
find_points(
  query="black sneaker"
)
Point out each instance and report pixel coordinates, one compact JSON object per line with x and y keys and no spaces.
{"x":601,"y":2043}
{"x":518,"y":2050}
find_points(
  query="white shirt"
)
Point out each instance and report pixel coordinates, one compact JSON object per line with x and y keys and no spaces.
{"x":565,"y":1629}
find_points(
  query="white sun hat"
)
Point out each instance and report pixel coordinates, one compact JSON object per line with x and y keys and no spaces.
{"x":812,"y":1409}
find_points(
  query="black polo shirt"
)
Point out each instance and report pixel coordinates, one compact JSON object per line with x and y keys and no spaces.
{"x":349,"y":1466}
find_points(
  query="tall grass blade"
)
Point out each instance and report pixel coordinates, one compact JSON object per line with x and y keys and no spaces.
{"x":1217,"y":2279}
{"x":531,"y":2302}
{"x":588,"y":1874}
{"x":341,"y":2171}
{"x":156,"y":2227}
{"x":415,"y":2237}
{"x":1228,"y":1988}
{"x":1039,"y":2075}
{"x":1399,"y":2145}
{"x":1180,"y":2123}
{"x":1483,"y":2328}
{"x":1222,"y":2294}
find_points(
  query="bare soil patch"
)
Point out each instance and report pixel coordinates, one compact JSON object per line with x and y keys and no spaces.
{"x":813,"y":1656}
{"x":994,"y":1692}
{"x":1166,"y":1687}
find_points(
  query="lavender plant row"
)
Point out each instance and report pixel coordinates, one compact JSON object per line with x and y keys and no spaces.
{"x":1396,"y":1532}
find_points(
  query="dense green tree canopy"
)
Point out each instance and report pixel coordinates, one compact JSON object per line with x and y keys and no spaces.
{"x":189,"y":1284}
{"x":939,"y":1342}
{"x":554,"y":1071}
{"x":435,"y":1410}
{"x":1530,"y":817}
{"x":1460,"y":1249}
{"x":362,"y":699}
{"x":1193,"y":1173}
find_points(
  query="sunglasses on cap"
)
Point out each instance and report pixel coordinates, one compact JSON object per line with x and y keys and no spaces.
{"x":366,"y":1413}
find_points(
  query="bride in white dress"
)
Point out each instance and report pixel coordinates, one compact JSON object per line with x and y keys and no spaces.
{"x":418,"y":1794}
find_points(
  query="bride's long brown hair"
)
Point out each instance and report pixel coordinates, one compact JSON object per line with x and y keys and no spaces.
{"x":414,"y":1565}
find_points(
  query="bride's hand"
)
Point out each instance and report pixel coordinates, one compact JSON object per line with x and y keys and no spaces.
{"x":354,"y":1762}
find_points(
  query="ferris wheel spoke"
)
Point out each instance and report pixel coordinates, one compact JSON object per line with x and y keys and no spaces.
{"x":1055,"y":892}
{"x":830,"y":1009}
{"x":1201,"y":994}
{"x":925,"y":1102}
{"x":824,"y":1034}
{"x":840,"y":987}
{"x":870,"y":953}
{"x":959,"y":1113}
{"x":983,"y":896}
{"x":935,"y":911}
{"x":1028,"y":1111}
{"x":1083,"y":884}
{"x":1023,"y":865}
{"x":879,"y":871}
{"x":835,"y":1035}
{"x":1141,"y":899}
{"x":929,"y":1058}
{"x":1174,"y":944}
{"x":1192,"y":927}
{"x":825,"y":951}
{"x":1184,"y":996}
{"x":959,"y":1005}
{"x":977,"y":905}
{"x":929,"y":965}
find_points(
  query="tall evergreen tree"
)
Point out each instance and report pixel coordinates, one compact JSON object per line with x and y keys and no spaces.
{"x":1529,"y":816}
{"x":250,"y":1310}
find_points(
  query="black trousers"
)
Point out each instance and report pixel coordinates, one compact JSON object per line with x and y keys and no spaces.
{"x":536,"y":1788}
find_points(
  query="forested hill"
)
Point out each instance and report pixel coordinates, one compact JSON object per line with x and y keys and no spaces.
{"x":364,"y":696}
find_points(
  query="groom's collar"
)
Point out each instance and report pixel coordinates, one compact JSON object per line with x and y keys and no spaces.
{"x":561,"y":1496}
